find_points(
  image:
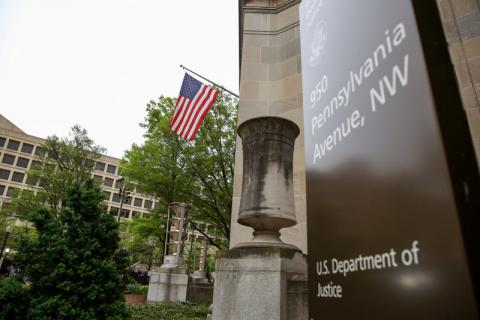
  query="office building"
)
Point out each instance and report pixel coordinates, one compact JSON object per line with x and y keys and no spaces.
{"x":18,"y":153}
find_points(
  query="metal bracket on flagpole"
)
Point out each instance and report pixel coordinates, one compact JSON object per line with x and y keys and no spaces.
{"x":215,"y":84}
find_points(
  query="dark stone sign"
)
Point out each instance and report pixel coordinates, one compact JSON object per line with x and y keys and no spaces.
{"x":392,"y":182}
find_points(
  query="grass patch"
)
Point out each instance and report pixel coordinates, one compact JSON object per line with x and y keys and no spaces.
{"x":170,"y":311}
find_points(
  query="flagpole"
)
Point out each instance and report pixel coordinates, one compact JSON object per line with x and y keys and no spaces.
{"x":215,"y":84}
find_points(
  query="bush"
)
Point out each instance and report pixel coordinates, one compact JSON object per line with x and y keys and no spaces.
{"x":136,"y":289}
{"x":13,"y":299}
{"x":74,"y":264}
{"x":173,"y":311}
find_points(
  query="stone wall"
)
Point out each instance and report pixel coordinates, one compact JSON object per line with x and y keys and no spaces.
{"x":461,"y":20}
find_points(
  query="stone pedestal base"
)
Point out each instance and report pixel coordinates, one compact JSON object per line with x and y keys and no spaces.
{"x":259,"y":284}
{"x":167,"y":285}
{"x":200,"y":291}
{"x":200,"y":275}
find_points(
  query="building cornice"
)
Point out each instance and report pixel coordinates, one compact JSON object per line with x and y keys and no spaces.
{"x":269,"y":8}
{"x":272,"y":32}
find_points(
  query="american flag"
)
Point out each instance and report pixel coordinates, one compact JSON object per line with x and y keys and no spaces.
{"x":192,"y":106}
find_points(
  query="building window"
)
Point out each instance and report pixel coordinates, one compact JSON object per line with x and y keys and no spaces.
{"x":98,"y":179}
{"x":27,"y":148}
{"x":35,"y":163}
{"x":136,"y":214}
{"x":22,"y":162}
{"x":100,"y":166}
{"x":116,"y":198}
{"x":4,"y":174}
{"x":13,"y":144}
{"x":108,"y":182}
{"x":106,"y":195}
{"x":10,"y":191}
{"x":18,"y":176}
{"x":128,"y":201}
{"x":148,"y":204}
{"x":138,"y":202}
{"x":42,"y":183}
{"x":31,"y":181}
{"x":8,"y":159}
{"x":111,"y":169}
{"x":2,"y":142}
{"x":2,"y":190}
{"x":39,"y":151}
{"x":113,"y":211}
{"x":125,"y":213}
{"x":119,"y":184}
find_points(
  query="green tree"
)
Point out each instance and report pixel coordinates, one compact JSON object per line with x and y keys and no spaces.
{"x":14,"y":299}
{"x":146,"y":238}
{"x":156,"y":166}
{"x":198,"y":172}
{"x":74,"y":264}
{"x":61,"y":163}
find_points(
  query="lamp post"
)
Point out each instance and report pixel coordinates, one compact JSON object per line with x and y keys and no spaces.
{"x":123,"y":194}
{"x":8,"y":230}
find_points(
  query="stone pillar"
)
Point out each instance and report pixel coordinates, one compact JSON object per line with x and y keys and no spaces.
{"x":177,"y":232}
{"x":264,"y":278}
{"x":271,"y":85}
{"x":199,"y":288}
{"x":169,"y":282}
{"x":200,"y":274}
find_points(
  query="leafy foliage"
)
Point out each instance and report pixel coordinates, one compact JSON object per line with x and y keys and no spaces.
{"x":198,"y":172}
{"x":138,"y":289}
{"x":157,"y":166}
{"x":169,"y":311}
{"x":62,"y":163}
{"x":74,"y":264}
{"x":146,"y":238}
{"x":14,"y":299}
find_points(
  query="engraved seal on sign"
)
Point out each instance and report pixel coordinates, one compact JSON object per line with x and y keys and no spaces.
{"x":318,"y":43}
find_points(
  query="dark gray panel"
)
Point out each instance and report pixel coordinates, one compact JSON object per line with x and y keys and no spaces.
{"x":384,"y":194}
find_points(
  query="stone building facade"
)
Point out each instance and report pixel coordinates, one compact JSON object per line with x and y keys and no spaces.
{"x":461,"y":21}
{"x":271,"y":84}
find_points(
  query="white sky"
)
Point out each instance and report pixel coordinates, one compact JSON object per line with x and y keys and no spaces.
{"x":97,"y":63}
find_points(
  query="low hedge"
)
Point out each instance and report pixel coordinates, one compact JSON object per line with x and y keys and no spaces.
{"x":171,"y":311}
{"x":137,"y":289}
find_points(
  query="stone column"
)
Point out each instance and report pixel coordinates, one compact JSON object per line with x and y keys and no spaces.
{"x":199,"y":288}
{"x":179,"y":213}
{"x":271,"y":85}
{"x":200,"y":274}
{"x":264,"y":278}
{"x":169,"y":282}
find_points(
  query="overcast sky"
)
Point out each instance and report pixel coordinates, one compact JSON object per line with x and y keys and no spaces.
{"x":98,"y":62}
